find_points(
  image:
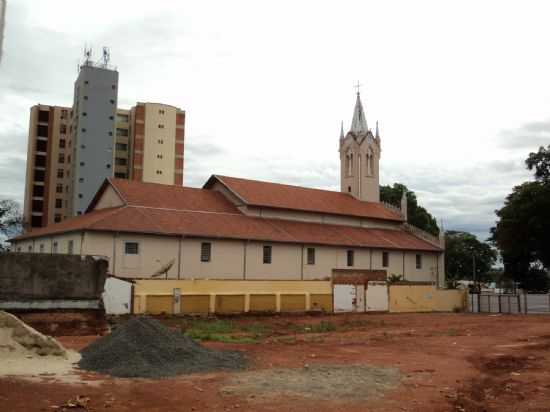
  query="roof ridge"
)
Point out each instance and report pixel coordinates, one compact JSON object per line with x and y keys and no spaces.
{"x":184,"y":210}
{"x":289,"y":185}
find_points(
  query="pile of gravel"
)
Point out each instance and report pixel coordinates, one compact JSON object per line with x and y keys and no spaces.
{"x":142,"y":347}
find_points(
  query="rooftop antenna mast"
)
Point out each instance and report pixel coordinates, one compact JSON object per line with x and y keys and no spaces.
{"x":106,"y":57}
{"x":87,"y":56}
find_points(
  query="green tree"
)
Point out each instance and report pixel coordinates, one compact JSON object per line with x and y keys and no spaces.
{"x":11,"y":221}
{"x":522,"y":232}
{"x":417,"y":215}
{"x":461,"y":249}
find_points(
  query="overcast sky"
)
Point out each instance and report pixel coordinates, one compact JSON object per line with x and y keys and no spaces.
{"x":461,"y":89}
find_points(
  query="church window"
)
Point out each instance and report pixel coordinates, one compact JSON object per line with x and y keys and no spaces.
{"x":385,"y":259}
{"x":310,"y":256}
{"x":419,"y":261}
{"x":350,"y":256}
{"x":370,"y":163}
{"x":206,"y":251}
{"x":267,"y":255}
{"x":350,"y":164}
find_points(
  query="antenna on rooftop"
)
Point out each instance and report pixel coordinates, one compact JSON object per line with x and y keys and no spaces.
{"x":106,"y":57}
{"x":87,"y":56}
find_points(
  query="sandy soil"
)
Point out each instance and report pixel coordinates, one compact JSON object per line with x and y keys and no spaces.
{"x":443,"y":362}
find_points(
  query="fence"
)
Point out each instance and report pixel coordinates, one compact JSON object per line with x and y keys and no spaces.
{"x":509,"y":303}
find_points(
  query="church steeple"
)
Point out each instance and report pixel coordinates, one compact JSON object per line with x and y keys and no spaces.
{"x":342,"y":130}
{"x":359,"y":122}
{"x":359,"y":158}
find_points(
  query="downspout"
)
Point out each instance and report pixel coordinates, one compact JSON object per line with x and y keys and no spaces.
{"x":403,"y":265}
{"x":179,"y":256}
{"x":302,"y":265}
{"x":113,"y":269}
{"x":245,"y":244}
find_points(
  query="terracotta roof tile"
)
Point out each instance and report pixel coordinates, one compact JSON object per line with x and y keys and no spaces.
{"x":138,"y":219}
{"x":172,"y":197}
{"x":275,"y":195}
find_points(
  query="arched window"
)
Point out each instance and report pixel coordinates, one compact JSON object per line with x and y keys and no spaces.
{"x":370,"y":163}
{"x":350,"y":165}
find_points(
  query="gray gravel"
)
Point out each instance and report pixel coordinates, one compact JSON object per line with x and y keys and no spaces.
{"x":143,"y":347}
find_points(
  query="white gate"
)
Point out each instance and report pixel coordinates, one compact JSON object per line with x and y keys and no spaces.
{"x":377,"y":297}
{"x":349,"y":298}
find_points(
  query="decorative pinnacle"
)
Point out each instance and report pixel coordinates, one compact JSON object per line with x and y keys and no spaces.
{"x":342,"y":130}
{"x":377,"y":131}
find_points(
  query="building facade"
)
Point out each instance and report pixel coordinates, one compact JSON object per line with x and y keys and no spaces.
{"x":47,"y":183}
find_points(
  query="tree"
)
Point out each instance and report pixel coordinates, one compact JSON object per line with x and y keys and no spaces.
{"x":417,"y":215}
{"x":11,"y":220}
{"x":522,"y":232}
{"x":540,"y":161}
{"x":461,"y":249}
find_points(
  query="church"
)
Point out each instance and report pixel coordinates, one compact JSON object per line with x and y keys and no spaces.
{"x":246,"y":245}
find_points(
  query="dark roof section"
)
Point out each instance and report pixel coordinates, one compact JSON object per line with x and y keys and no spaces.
{"x":279,"y":196}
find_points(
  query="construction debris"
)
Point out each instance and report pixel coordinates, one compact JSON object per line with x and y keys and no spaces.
{"x":143,"y":347}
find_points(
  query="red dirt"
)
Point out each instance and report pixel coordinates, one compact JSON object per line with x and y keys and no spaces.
{"x":448,"y":362}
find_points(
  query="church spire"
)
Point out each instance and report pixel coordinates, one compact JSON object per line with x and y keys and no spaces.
{"x":342,"y":130}
{"x":359,"y":122}
{"x":377,"y":135}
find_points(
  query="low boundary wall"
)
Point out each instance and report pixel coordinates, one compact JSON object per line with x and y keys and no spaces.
{"x":230,"y":296}
{"x":426,"y":298}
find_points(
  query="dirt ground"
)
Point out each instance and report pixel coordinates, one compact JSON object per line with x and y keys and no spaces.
{"x":362,"y":362}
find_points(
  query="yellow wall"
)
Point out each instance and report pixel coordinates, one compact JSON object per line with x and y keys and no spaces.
{"x":233,"y":295}
{"x":418,"y":298}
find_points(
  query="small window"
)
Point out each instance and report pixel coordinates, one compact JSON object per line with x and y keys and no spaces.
{"x":267,"y":254}
{"x":80,"y":195}
{"x":59,"y":203}
{"x":419,"y":261}
{"x":111,"y":117}
{"x":159,"y":156}
{"x":385,"y":259}
{"x":54,"y":247}
{"x":310,"y":256}
{"x":38,"y":191}
{"x":86,"y":82}
{"x":41,"y":247}
{"x":121,"y":132}
{"x":161,"y":126}
{"x":60,"y":173}
{"x":112,"y":101}
{"x":159,"y":172}
{"x":82,"y":163}
{"x":113,"y":87}
{"x":122,"y":147}
{"x":63,"y":129}
{"x":121,"y":161}
{"x":70,"y":247}
{"x":62,"y":143}
{"x":108,"y":166}
{"x":57,"y":218}
{"x":350,"y":257}
{"x":83,"y":129}
{"x":59,"y":188}
{"x":85,"y":97}
{"x":119,"y":175}
{"x":131,"y":248}
{"x":61,"y":158}
{"x":161,"y":111}
{"x":122,"y":118}
{"x":206,"y":250}
{"x":84,"y":114}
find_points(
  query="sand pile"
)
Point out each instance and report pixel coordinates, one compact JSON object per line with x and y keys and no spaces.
{"x":143,"y":347}
{"x":25,"y":351}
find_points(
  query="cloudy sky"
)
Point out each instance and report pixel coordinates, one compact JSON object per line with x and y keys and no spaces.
{"x":461,"y":89}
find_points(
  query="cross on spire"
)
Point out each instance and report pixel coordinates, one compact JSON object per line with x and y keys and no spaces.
{"x":358,"y":87}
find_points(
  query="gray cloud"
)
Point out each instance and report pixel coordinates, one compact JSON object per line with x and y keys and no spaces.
{"x":529,"y":136}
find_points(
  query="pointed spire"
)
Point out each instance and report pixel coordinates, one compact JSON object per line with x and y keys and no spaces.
{"x":359,"y":122}
{"x":342,"y":130}
{"x":377,"y":135}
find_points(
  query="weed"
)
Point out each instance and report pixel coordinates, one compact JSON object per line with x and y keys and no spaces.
{"x":322,"y":327}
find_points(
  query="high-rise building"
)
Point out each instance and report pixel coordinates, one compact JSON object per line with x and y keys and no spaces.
{"x":48,"y":173}
{"x":158,"y":132}
{"x":92,"y":132}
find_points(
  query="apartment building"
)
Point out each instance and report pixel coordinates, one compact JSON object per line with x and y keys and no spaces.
{"x":157,"y":143}
{"x":48,"y":175}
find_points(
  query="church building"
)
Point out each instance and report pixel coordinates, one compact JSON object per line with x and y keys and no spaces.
{"x":254,"y":245}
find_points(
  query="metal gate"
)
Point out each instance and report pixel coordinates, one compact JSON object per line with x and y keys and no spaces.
{"x":509,"y":303}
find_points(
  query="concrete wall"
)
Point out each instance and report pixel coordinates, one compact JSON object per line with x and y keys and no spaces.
{"x":420,"y":298}
{"x":26,"y":276}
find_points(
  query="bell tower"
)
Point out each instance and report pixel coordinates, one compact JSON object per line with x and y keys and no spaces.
{"x":359,"y":158}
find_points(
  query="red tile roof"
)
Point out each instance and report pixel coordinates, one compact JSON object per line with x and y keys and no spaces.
{"x":146,"y":220}
{"x":136,"y":193}
{"x":275,"y":195}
